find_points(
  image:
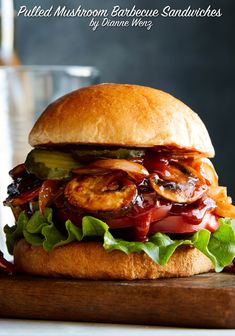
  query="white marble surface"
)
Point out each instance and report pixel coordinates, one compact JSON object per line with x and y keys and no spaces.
{"x":52,"y":328}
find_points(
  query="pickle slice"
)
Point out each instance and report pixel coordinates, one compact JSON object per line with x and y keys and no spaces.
{"x":86,"y":154}
{"x":49,"y":164}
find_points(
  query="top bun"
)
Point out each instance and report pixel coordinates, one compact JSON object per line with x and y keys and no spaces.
{"x":121,"y":115}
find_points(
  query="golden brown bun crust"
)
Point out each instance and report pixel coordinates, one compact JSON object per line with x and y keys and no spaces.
{"x":122,"y":115}
{"x":89,"y":260}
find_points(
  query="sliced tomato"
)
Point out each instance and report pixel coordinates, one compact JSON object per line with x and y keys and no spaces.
{"x":177,"y":224}
{"x":194,"y":213}
{"x":140,"y":219}
{"x":153,"y":214}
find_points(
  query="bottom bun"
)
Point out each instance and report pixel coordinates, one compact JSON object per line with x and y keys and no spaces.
{"x":89,"y":260}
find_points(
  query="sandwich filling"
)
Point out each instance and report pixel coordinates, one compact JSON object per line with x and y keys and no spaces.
{"x":129,"y":195}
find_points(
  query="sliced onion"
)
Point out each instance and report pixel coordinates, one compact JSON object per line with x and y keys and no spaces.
{"x":133,"y":169}
{"x":91,"y":171}
{"x":224,"y":207}
{"x":48,"y":191}
{"x":206,"y":170}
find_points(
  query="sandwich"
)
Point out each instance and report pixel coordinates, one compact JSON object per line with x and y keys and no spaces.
{"x":119,"y":185}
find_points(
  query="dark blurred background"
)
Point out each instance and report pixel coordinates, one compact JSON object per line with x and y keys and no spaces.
{"x":191,"y":58}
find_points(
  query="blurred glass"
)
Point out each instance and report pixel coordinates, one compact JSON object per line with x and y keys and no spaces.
{"x":25,"y":91}
{"x":7,"y":34}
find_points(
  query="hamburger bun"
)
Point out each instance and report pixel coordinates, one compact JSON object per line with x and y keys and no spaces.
{"x":121,"y":115}
{"x":89,"y":260}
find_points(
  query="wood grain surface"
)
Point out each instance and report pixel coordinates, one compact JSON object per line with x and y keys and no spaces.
{"x":206,"y":301}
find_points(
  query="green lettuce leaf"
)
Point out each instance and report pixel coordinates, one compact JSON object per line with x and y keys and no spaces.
{"x":39,"y":230}
{"x":14,"y":233}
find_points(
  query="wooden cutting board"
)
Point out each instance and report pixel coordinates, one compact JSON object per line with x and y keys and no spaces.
{"x":206,"y":301}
